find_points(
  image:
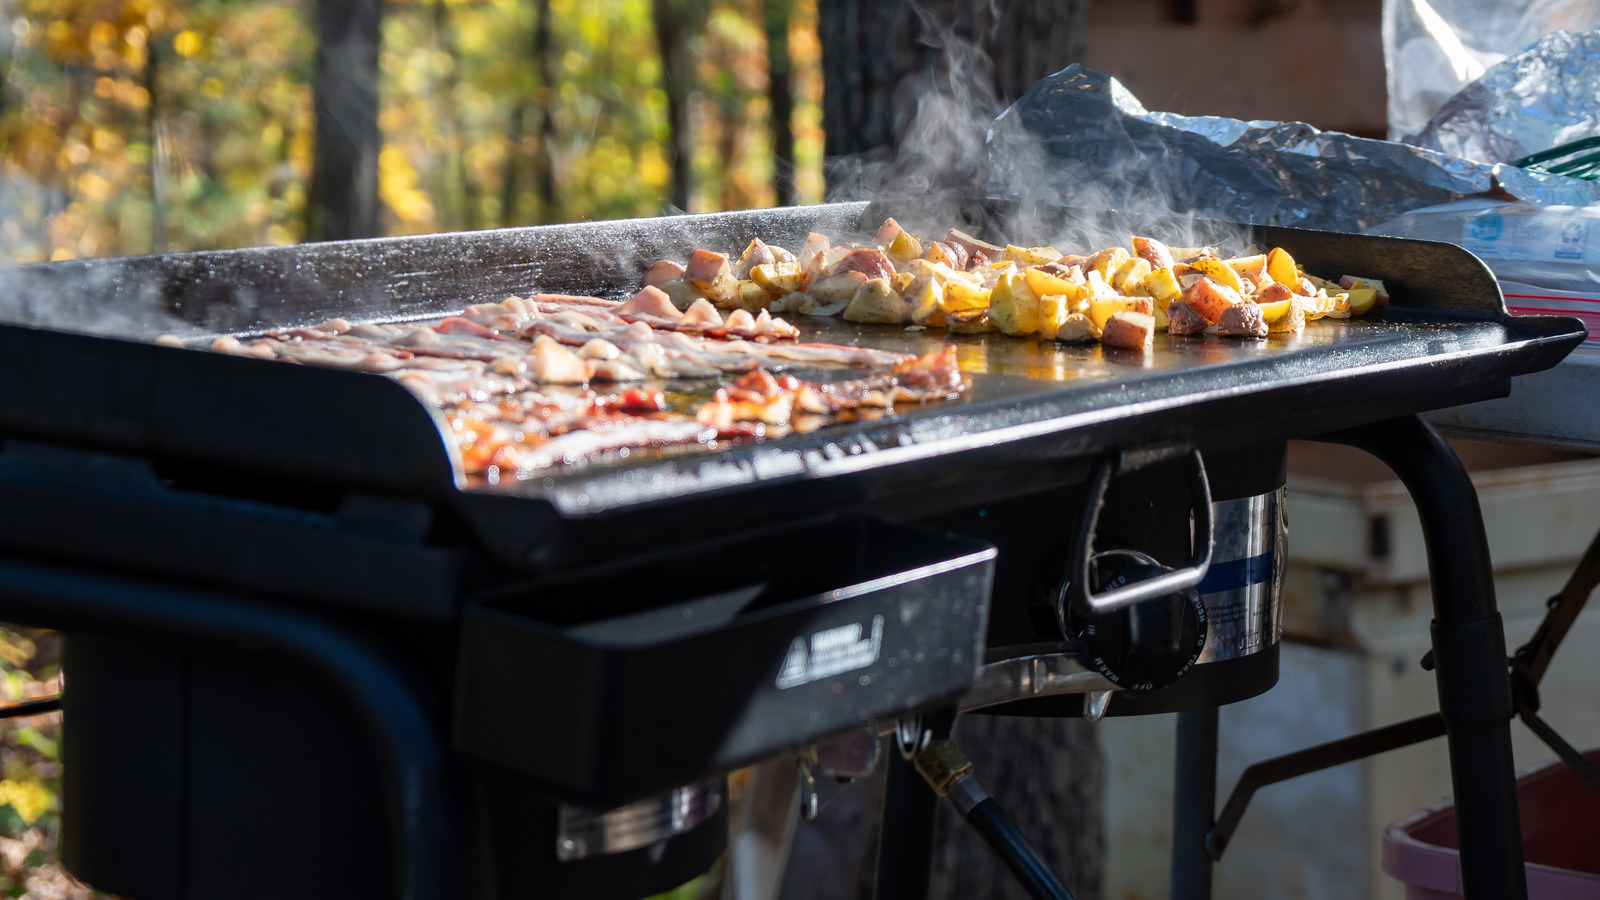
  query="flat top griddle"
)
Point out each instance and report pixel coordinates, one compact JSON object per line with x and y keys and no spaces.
{"x":1034,"y":410}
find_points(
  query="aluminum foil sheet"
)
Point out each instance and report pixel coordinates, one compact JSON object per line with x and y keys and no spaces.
{"x":1544,"y":96}
{"x":1080,"y":138}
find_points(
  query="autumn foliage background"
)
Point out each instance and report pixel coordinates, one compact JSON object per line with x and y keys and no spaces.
{"x":142,"y":126}
{"x":138,"y":126}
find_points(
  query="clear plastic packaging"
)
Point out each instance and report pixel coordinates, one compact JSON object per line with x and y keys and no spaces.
{"x":1546,"y":257}
{"x":1434,"y":48}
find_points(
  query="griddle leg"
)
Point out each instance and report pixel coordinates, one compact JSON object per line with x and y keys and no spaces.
{"x":1469,"y":648}
{"x":1194,"y":803}
{"x":910,"y":811}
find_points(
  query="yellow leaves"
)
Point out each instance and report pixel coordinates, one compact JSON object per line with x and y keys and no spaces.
{"x":211,"y":87}
{"x":188,"y":42}
{"x":31,"y":799}
{"x":397,"y":186}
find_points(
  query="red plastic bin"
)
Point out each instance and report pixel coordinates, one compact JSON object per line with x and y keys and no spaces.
{"x":1560,"y":840}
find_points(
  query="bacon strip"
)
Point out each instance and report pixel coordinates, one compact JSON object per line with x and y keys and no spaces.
{"x":490,"y":372}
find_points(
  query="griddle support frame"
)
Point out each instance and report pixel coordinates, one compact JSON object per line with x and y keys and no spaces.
{"x":1194,"y":803}
{"x":378,"y":685}
{"x":910,"y":811}
{"x":1469,"y":649}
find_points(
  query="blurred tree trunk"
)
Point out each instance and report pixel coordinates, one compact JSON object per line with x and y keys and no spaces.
{"x":677,"y":23}
{"x":881,"y":57}
{"x":780,"y":97}
{"x":536,"y":98}
{"x":1046,"y":774}
{"x":343,"y":200}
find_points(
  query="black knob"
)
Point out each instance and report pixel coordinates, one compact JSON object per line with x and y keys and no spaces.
{"x":1145,"y":645}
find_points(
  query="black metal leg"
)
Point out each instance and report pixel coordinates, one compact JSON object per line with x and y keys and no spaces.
{"x":1469,"y":649}
{"x":1194,"y":803}
{"x":910,"y":811}
{"x":377,"y":683}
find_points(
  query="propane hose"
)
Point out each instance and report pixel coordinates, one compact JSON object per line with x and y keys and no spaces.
{"x":949,"y":772}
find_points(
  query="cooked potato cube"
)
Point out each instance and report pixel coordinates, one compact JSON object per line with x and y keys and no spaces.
{"x":1281,"y":266}
{"x":1130,"y":275}
{"x":840,"y":288}
{"x":1013,"y":307}
{"x":1351,"y":281}
{"x":1077,"y":327}
{"x":754,"y":297}
{"x":904,"y":248}
{"x":1053,"y":311}
{"x":961,"y":295}
{"x":1031,"y":256}
{"x":1054,"y":278}
{"x":1250,"y":268}
{"x":1153,"y":252}
{"x":1102,"y":308}
{"x":1107,"y":261}
{"x":779,"y":278}
{"x":1291,"y":321}
{"x":1163,"y":286}
{"x":925,"y":301}
{"x":1362,"y":300}
{"x":1131,"y":330}
{"x":877,"y":302}
{"x":1220,"y":271}
{"x":681,"y":292}
{"x":1210,"y":299}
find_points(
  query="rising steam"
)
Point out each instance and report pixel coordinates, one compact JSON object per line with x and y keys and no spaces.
{"x":957,"y":144}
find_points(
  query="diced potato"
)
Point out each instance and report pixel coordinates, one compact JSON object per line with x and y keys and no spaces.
{"x":1160,"y":315}
{"x":681,"y":292}
{"x":1077,"y":327}
{"x":1102,"y":308}
{"x":838,"y":288}
{"x":1107,"y":261}
{"x":1282,"y":268}
{"x":773,"y":278}
{"x":1031,"y":256}
{"x":1210,"y":299}
{"x":1131,"y":330}
{"x":1351,"y":281}
{"x":1216,"y":269}
{"x":1163,"y":286}
{"x":973,"y":245}
{"x":902,"y":280}
{"x":1013,"y":307}
{"x":961,"y":294}
{"x":754,"y":297}
{"x":1053,"y":278}
{"x":1253,"y":268}
{"x":1362,"y":300}
{"x":1129,"y":275}
{"x":1053,"y":312}
{"x":1153,"y":252}
{"x":1291,"y":321}
{"x":1274,"y":311}
{"x":877,"y":302}
{"x":1096,"y":283}
{"x":904,"y":248}
{"x":925,"y":301}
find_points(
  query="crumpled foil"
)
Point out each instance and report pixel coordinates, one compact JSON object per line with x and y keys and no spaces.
{"x":1543,"y":96}
{"x":1079,"y":138}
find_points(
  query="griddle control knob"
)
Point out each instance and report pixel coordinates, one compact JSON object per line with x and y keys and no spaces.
{"x":1146,"y":645}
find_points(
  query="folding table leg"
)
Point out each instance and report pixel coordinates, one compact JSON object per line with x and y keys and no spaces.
{"x":1469,"y":649}
{"x":1194,"y":803}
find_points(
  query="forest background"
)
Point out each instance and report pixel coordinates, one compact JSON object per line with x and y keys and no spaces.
{"x":153,"y":126}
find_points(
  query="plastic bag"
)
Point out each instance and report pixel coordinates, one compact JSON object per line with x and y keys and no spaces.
{"x":1546,"y":257}
{"x":1433,"y":48}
